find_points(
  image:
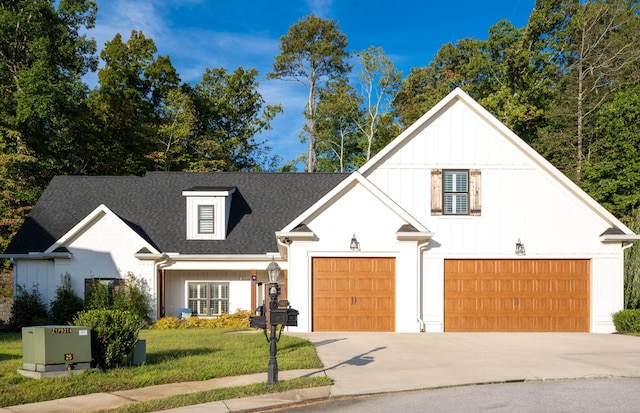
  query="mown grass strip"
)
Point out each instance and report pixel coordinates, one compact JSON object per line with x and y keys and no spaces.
{"x":226,"y":393}
{"x":172,"y":356}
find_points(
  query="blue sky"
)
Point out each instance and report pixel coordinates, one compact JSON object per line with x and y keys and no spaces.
{"x":200,"y":34}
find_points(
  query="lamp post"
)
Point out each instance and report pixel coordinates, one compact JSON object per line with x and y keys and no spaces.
{"x":273,"y":271}
{"x":277,"y":316}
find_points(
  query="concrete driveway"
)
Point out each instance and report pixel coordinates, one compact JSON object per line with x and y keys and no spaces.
{"x":367,"y":363}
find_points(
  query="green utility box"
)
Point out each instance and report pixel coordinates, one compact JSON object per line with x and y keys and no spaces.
{"x":56,"y":348}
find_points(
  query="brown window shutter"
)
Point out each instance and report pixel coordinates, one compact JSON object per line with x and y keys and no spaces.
{"x":475,"y":195}
{"x":436,"y":192}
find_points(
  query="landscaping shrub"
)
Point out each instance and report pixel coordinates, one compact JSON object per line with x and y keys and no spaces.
{"x":166,"y":323}
{"x":627,"y":321}
{"x":66,"y":304}
{"x":99,"y":296}
{"x":128,"y":294}
{"x":133,"y":296}
{"x":239,"y":319}
{"x":28,"y":309}
{"x":114,"y":334}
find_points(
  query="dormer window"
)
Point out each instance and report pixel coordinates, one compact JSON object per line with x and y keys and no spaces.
{"x":208,"y":211}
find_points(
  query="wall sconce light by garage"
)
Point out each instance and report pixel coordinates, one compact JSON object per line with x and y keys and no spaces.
{"x":355,"y":245}
{"x":520,"y":248}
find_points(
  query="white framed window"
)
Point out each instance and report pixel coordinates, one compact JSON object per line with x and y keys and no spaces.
{"x":208,"y":298}
{"x":455,"y":192}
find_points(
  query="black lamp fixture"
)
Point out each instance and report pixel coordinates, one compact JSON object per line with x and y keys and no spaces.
{"x":520,"y":248}
{"x":273,"y":271}
{"x":355,"y":245}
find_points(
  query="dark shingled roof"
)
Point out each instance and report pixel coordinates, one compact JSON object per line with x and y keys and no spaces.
{"x":154,"y":207}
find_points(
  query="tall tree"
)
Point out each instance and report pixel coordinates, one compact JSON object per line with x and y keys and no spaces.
{"x":132,"y":85}
{"x":379,"y":84}
{"x":510,"y":73}
{"x":312,"y":52}
{"x":177,"y":124}
{"x":231,"y":112}
{"x":598,"y":48}
{"x":611,"y":173}
{"x":43,"y":56}
{"x":632,"y":269}
{"x":337,"y":115}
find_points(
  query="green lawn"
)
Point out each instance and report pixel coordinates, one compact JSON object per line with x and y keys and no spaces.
{"x":172,"y":356}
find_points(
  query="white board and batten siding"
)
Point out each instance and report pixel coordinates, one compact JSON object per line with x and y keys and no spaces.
{"x":520,"y":200}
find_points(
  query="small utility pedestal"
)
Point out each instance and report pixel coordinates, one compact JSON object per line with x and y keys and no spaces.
{"x":54,"y":351}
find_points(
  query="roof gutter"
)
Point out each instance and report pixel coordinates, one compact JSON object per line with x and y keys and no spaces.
{"x":285,"y":239}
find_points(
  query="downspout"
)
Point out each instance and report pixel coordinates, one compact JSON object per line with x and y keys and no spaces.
{"x":15,"y":277}
{"x":159,"y":266}
{"x":419,"y":281}
{"x":285,"y":247}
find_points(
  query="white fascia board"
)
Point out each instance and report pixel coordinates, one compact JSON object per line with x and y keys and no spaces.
{"x":342,"y":188}
{"x":224,"y":193}
{"x":296,"y":236}
{"x":95,"y":215}
{"x":612,"y":238}
{"x":211,"y":257}
{"x":459,"y":95}
{"x":420,"y":236}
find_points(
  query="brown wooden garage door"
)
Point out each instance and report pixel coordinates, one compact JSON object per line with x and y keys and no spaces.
{"x":516,"y":295}
{"x":353,"y":294}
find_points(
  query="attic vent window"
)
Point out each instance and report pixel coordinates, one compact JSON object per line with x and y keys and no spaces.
{"x":205,"y":219}
{"x":208,"y":210}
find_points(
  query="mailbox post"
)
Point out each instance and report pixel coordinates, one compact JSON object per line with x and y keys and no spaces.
{"x":277,"y":316}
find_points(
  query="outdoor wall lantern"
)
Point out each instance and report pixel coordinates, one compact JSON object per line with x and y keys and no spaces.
{"x":520,"y":248}
{"x":355,"y":245}
{"x":277,"y":316}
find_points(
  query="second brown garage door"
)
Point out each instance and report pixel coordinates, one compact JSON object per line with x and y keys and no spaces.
{"x":516,"y":295}
{"x":354,"y":294}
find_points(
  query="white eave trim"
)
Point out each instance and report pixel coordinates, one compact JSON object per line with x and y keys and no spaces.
{"x":210,"y":257}
{"x":38,"y":256}
{"x":295,"y":236}
{"x":212,"y":193}
{"x":420,"y":236}
{"x":612,"y":238}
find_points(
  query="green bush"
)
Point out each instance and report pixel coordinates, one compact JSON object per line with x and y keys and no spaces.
{"x":627,"y":321}
{"x":99,"y":296}
{"x":114,"y":334}
{"x":66,"y":304}
{"x":133,"y":296}
{"x":127,"y":295}
{"x":28,"y":309}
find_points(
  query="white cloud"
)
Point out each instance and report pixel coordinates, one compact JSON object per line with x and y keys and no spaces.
{"x":320,"y":8}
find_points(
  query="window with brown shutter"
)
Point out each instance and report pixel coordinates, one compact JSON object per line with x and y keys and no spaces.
{"x":455,"y":192}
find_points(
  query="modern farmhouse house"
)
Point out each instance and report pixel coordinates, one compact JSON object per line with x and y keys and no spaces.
{"x":457,"y":225}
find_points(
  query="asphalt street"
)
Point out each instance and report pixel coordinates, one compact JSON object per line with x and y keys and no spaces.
{"x":584,"y":396}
